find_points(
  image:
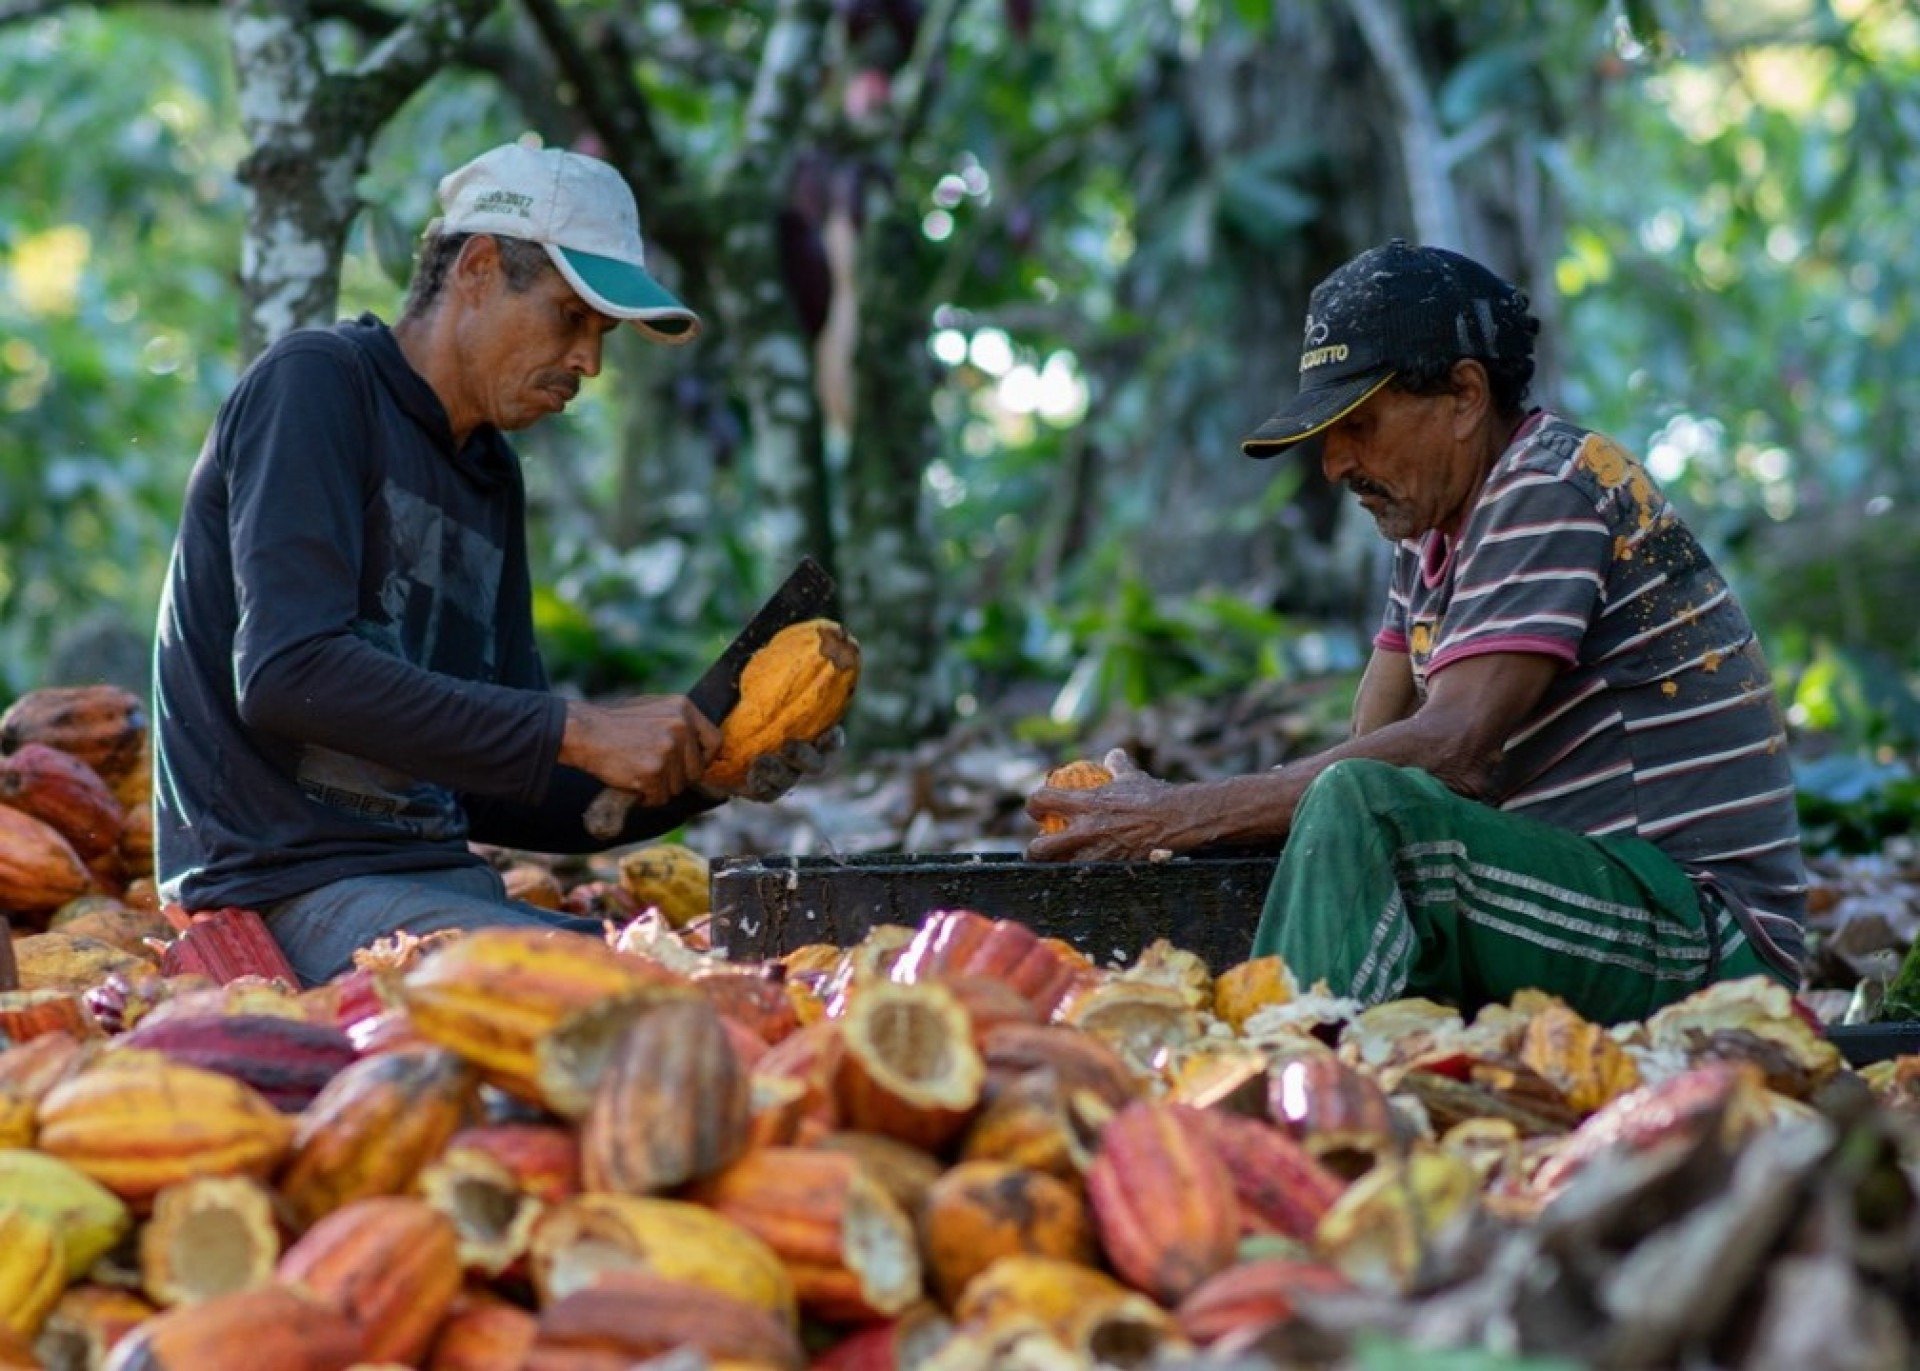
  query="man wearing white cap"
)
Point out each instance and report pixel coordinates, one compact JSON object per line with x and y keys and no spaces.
{"x":347,"y":687}
{"x":1568,"y":770}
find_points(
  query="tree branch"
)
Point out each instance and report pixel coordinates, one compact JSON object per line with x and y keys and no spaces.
{"x":913,"y":87}
{"x":1436,"y":208}
{"x":405,"y":59}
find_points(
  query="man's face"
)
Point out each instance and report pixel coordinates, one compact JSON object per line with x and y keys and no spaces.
{"x":528,"y":349}
{"x":1400,"y":456}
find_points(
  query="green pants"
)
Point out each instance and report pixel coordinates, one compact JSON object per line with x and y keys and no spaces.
{"x":1393,"y":885}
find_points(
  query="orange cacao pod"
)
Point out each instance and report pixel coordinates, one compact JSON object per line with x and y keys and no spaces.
{"x":792,"y":690}
{"x":671,"y":1107}
{"x":39,"y":870}
{"x":208,"y":1236}
{"x":1075,"y":775}
{"x":105,"y":726}
{"x":1253,"y":1294}
{"x":1280,"y":1186}
{"x":979,"y":1212}
{"x":389,"y":1264}
{"x":492,"y":994}
{"x":851,"y":1252}
{"x":1032,"y":1124}
{"x":1162,"y":1201}
{"x":1337,"y":1113}
{"x":64,"y":793}
{"x":908,"y":1068}
{"x":137,"y":1123}
{"x":543,"y":1159}
{"x":960,"y":942}
{"x":811,"y":1058}
{"x":270,"y":1325}
{"x":626,"y":1317}
{"x":904,"y":1171}
{"x":751,"y":997}
{"x":483,"y":1333}
{"x":28,"y":1015}
{"x":373,"y":1128}
{"x":1243,"y":990}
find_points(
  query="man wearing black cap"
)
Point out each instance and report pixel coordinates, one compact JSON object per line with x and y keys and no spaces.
{"x":1567,"y":769}
{"x":347,"y":686}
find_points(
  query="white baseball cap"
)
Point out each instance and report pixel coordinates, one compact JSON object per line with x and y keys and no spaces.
{"x":580,"y":210}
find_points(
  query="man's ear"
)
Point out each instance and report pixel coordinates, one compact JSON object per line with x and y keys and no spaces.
{"x":1472,"y":392}
{"x":477,"y":265}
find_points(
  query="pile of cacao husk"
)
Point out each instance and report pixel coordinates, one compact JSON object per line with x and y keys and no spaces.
{"x":952,"y":1146}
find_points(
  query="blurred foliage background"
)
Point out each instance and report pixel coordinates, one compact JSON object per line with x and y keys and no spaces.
{"x":1088,"y":239}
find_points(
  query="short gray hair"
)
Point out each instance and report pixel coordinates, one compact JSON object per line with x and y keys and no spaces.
{"x":524,"y":263}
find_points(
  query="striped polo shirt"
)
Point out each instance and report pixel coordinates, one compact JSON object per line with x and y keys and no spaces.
{"x":1664,"y":724}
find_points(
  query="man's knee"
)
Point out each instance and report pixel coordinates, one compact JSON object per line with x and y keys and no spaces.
{"x":1358,"y":787}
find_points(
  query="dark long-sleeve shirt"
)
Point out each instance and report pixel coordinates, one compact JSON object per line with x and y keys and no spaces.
{"x":346,"y":678}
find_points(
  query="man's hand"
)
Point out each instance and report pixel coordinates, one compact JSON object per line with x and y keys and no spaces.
{"x":771,"y":776}
{"x":1127,"y":819}
{"x":654,"y":746}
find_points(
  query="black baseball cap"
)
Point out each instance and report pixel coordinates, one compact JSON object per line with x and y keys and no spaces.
{"x":1390,"y":308}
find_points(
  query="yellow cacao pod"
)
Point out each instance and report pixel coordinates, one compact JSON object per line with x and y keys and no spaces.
{"x":1075,"y":775}
{"x":792,"y":690}
{"x":671,"y":877}
{"x":33,"y":1271}
{"x":89,"y":1218}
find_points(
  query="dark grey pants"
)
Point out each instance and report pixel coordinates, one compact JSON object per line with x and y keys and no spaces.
{"x":320,"y":930}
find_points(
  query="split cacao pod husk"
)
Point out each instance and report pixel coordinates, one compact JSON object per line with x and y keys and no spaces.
{"x":625,"y":1317}
{"x":672,"y":1105}
{"x":105,"y":726}
{"x":978,"y":1212}
{"x":592,"y":1233}
{"x":792,"y":690}
{"x":208,"y":1236}
{"x":1281,"y":1187}
{"x":492,"y":994}
{"x":137,"y":1123}
{"x":1243,"y":990}
{"x":89,"y":1218}
{"x":669,"y":877}
{"x":1583,"y":1059}
{"x":811,"y":1058}
{"x":289,"y":1061}
{"x":64,"y":793}
{"x":960,"y":942}
{"x":270,"y":1325}
{"x":373,"y":1128}
{"x":852,"y":1254}
{"x":909,"y":1068}
{"x":29,"y":1015}
{"x":1145,"y":1023}
{"x":1082,"y":1308}
{"x":1382,"y":1227}
{"x":1336,"y":1112}
{"x":752,"y":997}
{"x":492,"y":1216}
{"x":542,"y":1158}
{"x":39,"y":870}
{"x":1253,"y":1294}
{"x":908,"y":1340}
{"x":1079,"y":774}
{"x":1032,"y":1123}
{"x":483,"y":1332}
{"x":33,"y":1269}
{"x":1080,"y":1062}
{"x":1163,"y":1203}
{"x":904,"y":1171}
{"x":87,"y":1324}
{"x":389,"y":1263}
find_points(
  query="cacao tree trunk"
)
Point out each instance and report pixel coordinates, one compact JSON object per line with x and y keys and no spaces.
{"x":309,"y":130}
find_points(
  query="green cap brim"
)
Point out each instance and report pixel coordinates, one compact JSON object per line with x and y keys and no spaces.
{"x":625,"y":291}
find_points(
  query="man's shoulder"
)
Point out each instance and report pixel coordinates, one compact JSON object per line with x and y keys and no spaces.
{"x":345,"y":344}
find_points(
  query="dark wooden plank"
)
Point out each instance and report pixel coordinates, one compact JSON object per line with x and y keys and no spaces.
{"x":9,"y":972}
{"x":1109,"y":910}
